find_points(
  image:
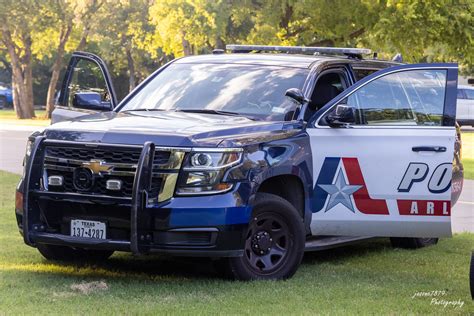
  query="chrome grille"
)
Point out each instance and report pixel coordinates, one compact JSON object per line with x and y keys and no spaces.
{"x":117,"y":163}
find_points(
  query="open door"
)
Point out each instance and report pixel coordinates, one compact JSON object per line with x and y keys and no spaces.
{"x":382,"y":155}
{"x":87,"y":88}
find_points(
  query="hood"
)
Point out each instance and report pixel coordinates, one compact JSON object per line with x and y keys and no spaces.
{"x":170,"y":129}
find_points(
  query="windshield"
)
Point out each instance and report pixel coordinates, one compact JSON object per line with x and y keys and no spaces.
{"x":257,"y":92}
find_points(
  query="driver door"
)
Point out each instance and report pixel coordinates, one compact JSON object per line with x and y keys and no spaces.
{"x":382,"y":155}
{"x":86,"y":89}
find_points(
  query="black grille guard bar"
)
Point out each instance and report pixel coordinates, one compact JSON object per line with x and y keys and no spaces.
{"x":141,"y":187}
{"x":31,"y":163}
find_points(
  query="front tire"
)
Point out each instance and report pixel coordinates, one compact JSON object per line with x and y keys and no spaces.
{"x":412,"y":243}
{"x":274,"y":243}
{"x":68,"y":254}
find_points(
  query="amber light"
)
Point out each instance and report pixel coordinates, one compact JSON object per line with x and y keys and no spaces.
{"x":223,"y":186}
{"x":19,"y":201}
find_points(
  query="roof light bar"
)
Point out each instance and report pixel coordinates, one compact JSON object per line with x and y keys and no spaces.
{"x":300,"y":49}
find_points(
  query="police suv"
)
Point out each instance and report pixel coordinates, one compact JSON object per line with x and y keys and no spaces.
{"x":251,"y":156}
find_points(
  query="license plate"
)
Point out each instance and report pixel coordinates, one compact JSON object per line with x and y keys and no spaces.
{"x":87,"y":229}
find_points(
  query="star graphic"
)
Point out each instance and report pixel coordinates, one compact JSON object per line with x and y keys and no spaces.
{"x":340,"y":192}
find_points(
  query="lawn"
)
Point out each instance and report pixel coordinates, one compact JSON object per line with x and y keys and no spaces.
{"x":370,"y":277}
{"x":468,"y":154}
{"x":8,"y":116}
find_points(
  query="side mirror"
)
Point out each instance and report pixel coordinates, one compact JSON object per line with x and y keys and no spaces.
{"x":342,"y":115}
{"x":296,"y":94}
{"x":90,"y":101}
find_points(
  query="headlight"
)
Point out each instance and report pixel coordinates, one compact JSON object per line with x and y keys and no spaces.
{"x":203,"y":171}
{"x":29,"y":147}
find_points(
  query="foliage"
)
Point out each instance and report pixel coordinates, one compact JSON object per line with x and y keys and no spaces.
{"x":138,"y":36}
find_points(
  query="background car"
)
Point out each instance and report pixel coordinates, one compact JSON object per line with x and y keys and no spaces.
{"x":6,"y":96}
{"x":465,"y":105}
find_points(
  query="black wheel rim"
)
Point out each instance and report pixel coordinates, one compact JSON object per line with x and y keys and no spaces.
{"x":267,"y":244}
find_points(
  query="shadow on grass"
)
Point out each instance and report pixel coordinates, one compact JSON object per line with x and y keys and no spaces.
{"x":151,"y":266}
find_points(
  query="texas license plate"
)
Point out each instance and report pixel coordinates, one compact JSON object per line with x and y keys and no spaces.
{"x":87,"y":229}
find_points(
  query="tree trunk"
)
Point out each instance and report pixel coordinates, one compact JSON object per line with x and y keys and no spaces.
{"x":56,"y":68}
{"x":130,"y":63}
{"x":22,"y":80}
{"x":187,"y":49}
{"x":28,"y":77}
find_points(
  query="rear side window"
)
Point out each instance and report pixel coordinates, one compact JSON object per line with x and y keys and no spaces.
{"x":469,"y":94}
{"x":461,"y":94}
{"x":414,"y":97}
{"x":363,"y":72}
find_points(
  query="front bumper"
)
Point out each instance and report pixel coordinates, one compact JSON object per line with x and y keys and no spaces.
{"x":186,"y":226}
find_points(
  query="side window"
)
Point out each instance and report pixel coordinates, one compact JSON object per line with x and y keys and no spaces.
{"x":461,"y":94}
{"x":363,"y":72}
{"x":328,"y":86}
{"x":87,"y":81}
{"x":469,"y":94}
{"x":414,"y":97}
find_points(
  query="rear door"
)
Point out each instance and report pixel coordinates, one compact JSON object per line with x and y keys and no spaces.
{"x":87,"y":88}
{"x":387,"y":173}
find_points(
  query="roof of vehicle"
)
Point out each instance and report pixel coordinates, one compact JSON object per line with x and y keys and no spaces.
{"x":282,"y":60}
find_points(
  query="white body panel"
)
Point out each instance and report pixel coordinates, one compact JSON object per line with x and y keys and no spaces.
{"x":383,"y":154}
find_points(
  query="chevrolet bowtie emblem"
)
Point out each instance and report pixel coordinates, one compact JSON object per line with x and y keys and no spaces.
{"x":97,"y":166}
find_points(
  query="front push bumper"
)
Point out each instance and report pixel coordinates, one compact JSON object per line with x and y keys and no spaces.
{"x":184,"y":226}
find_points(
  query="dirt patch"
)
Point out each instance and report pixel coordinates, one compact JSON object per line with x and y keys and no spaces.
{"x":89,"y":287}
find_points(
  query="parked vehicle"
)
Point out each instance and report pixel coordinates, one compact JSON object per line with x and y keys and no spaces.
{"x":465,"y":105}
{"x":6,"y":96}
{"x":251,"y":158}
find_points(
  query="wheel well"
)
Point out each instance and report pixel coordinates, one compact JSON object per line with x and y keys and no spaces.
{"x":288,"y":187}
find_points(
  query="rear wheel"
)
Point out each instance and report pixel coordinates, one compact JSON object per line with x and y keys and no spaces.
{"x":412,"y":243}
{"x":68,"y":254}
{"x":274,"y":243}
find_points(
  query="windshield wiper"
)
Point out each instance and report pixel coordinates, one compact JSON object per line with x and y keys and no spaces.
{"x":142,"y":110}
{"x":208,"y":111}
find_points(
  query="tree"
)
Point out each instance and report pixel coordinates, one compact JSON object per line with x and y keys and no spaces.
{"x":63,"y":16}
{"x":436,"y":30}
{"x":19,"y":19}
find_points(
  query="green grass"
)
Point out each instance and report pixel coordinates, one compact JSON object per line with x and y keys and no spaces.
{"x":368,"y":278}
{"x":11,"y":115}
{"x":8,"y":117}
{"x":468,"y":164}
{"x":468,"y":154}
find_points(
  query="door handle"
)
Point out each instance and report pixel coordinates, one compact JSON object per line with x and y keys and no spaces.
{"x":436,"y":149}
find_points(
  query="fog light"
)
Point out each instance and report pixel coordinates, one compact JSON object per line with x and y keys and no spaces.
{"x":55,"y":181}
{"x":113,"y":185}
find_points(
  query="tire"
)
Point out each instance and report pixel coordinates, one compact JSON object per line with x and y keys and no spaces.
{"x":68,"y":254}
{"x":274,"y":242}
{"x":3,"y":102}
{"x":412,"y":243}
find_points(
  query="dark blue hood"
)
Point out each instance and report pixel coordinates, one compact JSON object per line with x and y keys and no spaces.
{"x":170,"y":129}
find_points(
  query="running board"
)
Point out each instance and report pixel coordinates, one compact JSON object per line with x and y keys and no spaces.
{"x":329,"y":242}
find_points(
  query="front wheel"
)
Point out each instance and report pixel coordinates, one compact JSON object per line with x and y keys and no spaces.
{"x":413,"y":243}
{"x":68,"y":254}
{"x":274,"y":243}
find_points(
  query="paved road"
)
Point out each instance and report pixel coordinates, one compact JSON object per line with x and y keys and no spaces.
{"x":12,"y":149}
